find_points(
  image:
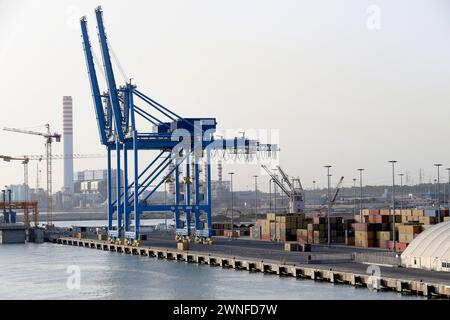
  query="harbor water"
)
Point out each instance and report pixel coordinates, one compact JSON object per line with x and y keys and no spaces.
{"x":51,"y":271}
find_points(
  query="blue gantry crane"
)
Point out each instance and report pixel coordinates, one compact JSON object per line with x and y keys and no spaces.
{"x":131,"y":122}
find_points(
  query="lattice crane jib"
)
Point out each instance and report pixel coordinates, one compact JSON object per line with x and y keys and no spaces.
{"x":292,"y":188}
{"x":49,"y":139}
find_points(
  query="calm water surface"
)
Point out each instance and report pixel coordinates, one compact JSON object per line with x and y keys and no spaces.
{"x":39,"y":271}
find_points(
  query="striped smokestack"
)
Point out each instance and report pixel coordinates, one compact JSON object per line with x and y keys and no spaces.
{"x":68,"y":143}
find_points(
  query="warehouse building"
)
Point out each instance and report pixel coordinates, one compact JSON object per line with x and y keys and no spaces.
{"x":430,"y":250}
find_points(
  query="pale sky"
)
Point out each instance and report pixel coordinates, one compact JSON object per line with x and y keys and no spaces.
{"x":339,"y":92}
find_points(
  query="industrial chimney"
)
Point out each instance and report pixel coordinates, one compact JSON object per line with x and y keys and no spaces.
{"x":68,"y":144}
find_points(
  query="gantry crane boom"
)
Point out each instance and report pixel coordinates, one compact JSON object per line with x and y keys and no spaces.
{"x":110,"y":80}
{"x":178,"y":142}
{"x":49,"y":137}
{"x":95,"y":89}
{"x":277,"y":181}
{"x":285,"y":177}
{"x":294,"y":190}
{"x":338,"y":188}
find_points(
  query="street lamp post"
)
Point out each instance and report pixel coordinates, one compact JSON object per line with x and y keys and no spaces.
{"x":256,"y":197}
{"x":354,"y":196}
{"x":448,"y":188}
{"x":314,"y":192}
{"x":401,"y":190}
{"x":360,"y":195}
{"x":275,"y":191}
{"x":232,"y":203}
{"x":438,"y":165}
{"x":329,"y":205}
{"x":393,"y":162}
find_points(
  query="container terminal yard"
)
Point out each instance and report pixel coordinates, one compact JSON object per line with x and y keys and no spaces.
{"x":399,"y":242}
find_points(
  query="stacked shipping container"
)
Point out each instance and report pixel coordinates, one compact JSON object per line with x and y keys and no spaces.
{"x":278,"y":227}
{"x":375,"y":227}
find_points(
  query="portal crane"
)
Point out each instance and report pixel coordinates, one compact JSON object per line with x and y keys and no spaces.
{"x":180,"y":148}
{"x":39,"y":157}
{"x":292,"y":189}
{"x":333,"y":199}
{"x":338,"y":188}
{"x":49,"y":138}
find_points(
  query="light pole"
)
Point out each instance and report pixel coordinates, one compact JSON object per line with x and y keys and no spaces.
{"x":314,"y":192}
{"x":329,"y":205}
{"x":435,"y":191}
{"x":275,"y":191}
{"x":393,"y":162}
{"x":401,"y":190}
{"x":232,"y":203}
{"x":270,"y":194}
{"x":438,"y":165}
{"x":448,"y":188}
{"x":360,"y":195}
{"x":354,"y":196}
{"x":256,"y":197}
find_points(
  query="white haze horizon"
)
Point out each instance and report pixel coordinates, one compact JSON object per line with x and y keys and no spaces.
{"x":352,"y":84}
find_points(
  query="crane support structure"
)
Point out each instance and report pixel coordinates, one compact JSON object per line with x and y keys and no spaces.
{"x":338,"y":188}
{"x":291,"y":188}
{"x":180,"y":148}
{"x":49,"y":138}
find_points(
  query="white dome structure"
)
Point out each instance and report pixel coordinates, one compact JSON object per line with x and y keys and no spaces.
{"x":430,"y":250}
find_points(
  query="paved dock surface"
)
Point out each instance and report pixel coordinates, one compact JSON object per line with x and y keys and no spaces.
{"x":337,"y":255}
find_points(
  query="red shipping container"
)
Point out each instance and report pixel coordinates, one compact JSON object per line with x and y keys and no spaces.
{"x":399,"y":246}
{"x":385,"y":244}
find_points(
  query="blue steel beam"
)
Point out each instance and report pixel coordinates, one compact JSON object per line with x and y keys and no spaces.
{"x":196,"y":194}
{"x":157,"y":106}
{"x":150,"y":116}
{"x":125,"y":188}
{"x":161,"y":140}
{"x":144,"y":185}
{"x":178,"y":163}
{"x":118,"y":191}
{"x":143,"y":172}
{"x":137,"y":213}
{"x":109,"y":74}
{"x":110,"y":205}
{"x":96,"y":97}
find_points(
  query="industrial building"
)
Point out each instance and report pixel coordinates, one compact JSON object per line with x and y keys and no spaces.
{"x":90,"y":187}
{"x":430,"y":250}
